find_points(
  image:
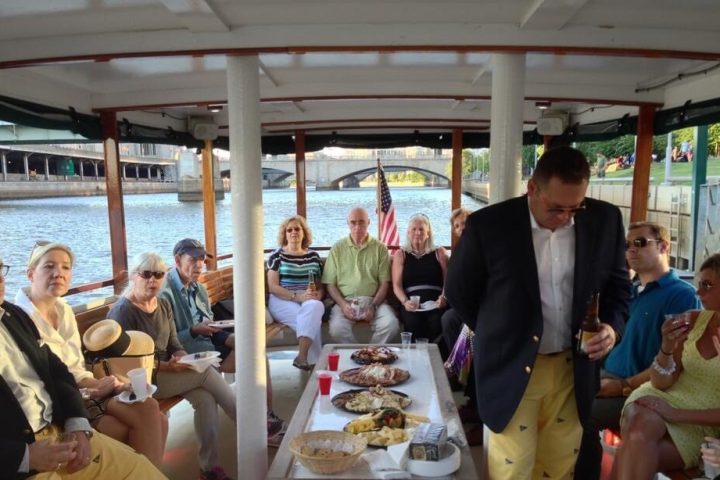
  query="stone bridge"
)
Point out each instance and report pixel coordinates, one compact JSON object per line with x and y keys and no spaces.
{"x":328,"y":173}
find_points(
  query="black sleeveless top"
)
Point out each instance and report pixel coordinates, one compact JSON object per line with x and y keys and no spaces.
{"x":422,"y":276}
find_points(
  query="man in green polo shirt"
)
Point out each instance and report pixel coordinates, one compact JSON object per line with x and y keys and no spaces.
{"x":357,"y":275}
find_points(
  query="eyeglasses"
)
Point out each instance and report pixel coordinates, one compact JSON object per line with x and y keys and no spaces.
{"x":570,"y":210}
{"x":640,"y":242}
{"x":146,"y":274}
{"x":293,"y":229}
{"x":705,"y":285}
{"x":4,"y":269}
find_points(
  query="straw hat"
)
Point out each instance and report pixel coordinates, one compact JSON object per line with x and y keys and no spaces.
{"x":118,"y":350}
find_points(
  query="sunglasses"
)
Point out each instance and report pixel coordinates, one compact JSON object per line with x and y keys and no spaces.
{"x":639,"y":242}
{"x":705,"y":285}
{"x":146,"y":274}
{"x":293,"y":229}
{"x":4,"y":269}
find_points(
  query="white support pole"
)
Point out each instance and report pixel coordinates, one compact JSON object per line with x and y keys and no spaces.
{"x":248,"y":274}
{"x":668,"y":159}
{"x":26,"y":166}
{"x":47,"y":168}
{"x":506,"y":125}
{"x":95,"y":168}
{"x":3,"y":160}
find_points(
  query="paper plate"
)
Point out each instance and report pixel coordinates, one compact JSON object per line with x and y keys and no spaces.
{"x":193,"y":358}
{"x":124,"y":397}
{"x":427,"y":306}
{"x":222,"y":324}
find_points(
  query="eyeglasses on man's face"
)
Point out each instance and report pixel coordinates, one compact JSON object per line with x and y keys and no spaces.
{"x":640,"y":242}
{"x":147,"y":274}
{"x":705,"y":285}
{"x":4,"y":269}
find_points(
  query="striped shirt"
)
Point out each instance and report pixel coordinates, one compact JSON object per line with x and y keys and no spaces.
{"x":295,"y":270}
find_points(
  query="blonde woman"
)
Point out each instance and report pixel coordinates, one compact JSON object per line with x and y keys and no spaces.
{"x":140,"y":425}
{"x":419,"y":269}
{"x":139,"y":308}
{"x":294,"y":273}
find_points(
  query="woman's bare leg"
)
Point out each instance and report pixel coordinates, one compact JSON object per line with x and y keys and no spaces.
{"x":147,"y":427}
{"x":304,"y":345}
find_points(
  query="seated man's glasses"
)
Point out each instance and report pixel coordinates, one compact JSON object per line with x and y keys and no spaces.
{"x":4,"y":269}
{"x":570,"y":210}
{"x":706,"y":285}
{"x":639,"y":242}
{"x":146,"y":274}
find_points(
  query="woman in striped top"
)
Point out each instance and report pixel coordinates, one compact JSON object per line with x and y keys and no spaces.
{"x":296,"y":293}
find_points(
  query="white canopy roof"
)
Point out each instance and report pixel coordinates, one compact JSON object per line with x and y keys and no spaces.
{"x":358,"y":65}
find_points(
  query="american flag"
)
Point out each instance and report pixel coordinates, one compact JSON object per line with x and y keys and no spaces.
{"x":386,"y":212}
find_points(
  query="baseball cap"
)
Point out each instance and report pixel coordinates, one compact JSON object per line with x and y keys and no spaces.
{"x":189,"y":246}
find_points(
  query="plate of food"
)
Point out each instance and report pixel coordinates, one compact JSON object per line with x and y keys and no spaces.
{"x":368,"y":355}
{"x":427,"y":306}
{"x":374,"y":374}
{"x":199,"y":357}
{"x":387,"y":426}
{"x":222,"y":324}
{"x":366,"y":401}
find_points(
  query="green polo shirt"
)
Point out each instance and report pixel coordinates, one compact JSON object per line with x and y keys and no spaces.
{"x":357,"y":270}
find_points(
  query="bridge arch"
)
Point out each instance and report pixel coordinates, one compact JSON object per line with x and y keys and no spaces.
{"x":353,"y":179}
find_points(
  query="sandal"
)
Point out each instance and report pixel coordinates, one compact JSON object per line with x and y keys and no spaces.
{"x":297,"y":363}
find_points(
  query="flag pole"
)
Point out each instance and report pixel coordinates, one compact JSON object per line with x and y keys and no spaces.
{"x":378,"y":208}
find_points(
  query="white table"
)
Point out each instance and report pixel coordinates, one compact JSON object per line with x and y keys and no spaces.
{"x":427,"y":387}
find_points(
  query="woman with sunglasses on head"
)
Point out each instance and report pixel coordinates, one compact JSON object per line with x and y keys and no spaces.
{"x":139,"y":308}
{"x":140,"y":425}
{"x":294,"y":273}
{"x":666,"y":419}
{"x":419,"y":269}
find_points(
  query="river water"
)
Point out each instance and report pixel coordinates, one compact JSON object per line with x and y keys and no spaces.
{"x":155,"y":222}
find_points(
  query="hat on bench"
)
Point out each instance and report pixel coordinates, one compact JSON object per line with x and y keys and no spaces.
{"x":114,"y":351}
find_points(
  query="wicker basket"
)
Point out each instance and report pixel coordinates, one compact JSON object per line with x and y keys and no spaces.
{"x":327,"y":465}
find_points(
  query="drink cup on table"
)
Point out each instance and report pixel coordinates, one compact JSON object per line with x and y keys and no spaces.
{"x":333,"y":360}
{"x":421,"y":343}
{"x":324,"y":382}
{"x":138,"y":380}
{"x":406,"y":338}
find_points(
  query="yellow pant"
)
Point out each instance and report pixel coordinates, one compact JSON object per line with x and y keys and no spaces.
{"x":543,"y":437}
{"x":111,"y":460}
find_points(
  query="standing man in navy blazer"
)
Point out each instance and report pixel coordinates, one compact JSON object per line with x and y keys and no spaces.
{"x":520,"y":277}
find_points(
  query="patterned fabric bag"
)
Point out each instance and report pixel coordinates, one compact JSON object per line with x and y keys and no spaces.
{"x":461,"y":357}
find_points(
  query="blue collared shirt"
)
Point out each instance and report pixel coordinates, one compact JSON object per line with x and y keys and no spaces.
{"x":641,"y":341}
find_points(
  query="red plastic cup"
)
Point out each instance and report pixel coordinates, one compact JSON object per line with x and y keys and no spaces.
{"x":333,"y":359}
{"x":324,"y":382}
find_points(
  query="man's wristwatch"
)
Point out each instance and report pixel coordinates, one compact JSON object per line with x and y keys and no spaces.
{"x":88,"y":433}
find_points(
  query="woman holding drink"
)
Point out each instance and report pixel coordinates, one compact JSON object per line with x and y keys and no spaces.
{"x":140,"y":425}
{"x":296,"y":293}
{"x":418,"y":270}
{"x":666,"y":419}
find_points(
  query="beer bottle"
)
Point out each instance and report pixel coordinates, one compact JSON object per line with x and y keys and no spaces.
{"x":590,"y":324}
{"x":311,"y":282}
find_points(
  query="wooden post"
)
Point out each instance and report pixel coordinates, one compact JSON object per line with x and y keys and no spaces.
{"x":116,"y":209}
{"x":643,"y":160}
{"x":300,"y":191}
{"x":209,"y":205}
{"x":457,"y":144}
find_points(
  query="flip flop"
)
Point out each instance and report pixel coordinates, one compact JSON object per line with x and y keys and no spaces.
{"x":302,"y":365}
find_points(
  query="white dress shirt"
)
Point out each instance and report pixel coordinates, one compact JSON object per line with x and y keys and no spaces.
{"x":555,"y":258}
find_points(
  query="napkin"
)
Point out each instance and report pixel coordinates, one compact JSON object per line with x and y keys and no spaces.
{"x":383,"y":465}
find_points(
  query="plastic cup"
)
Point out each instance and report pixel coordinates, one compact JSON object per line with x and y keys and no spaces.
{"x":324,"y":382}
{"x":406,"y":338}
{"x":138,"y":380}
{"x":710,"y":470}
{"x":421,"y":343}
{"x":415,"y":300}
{"x":332,"y":361}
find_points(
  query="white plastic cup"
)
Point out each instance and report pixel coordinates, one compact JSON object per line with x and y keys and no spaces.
{"x":406,"y":338}
{"x":415,"y":300}
{"x":138,"y":380}
{"x":421,"y":343}
{"x":710,"y":470}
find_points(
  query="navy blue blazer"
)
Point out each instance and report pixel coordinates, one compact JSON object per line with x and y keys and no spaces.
{"x":67,"y":401}
{"x":492,"y":282}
